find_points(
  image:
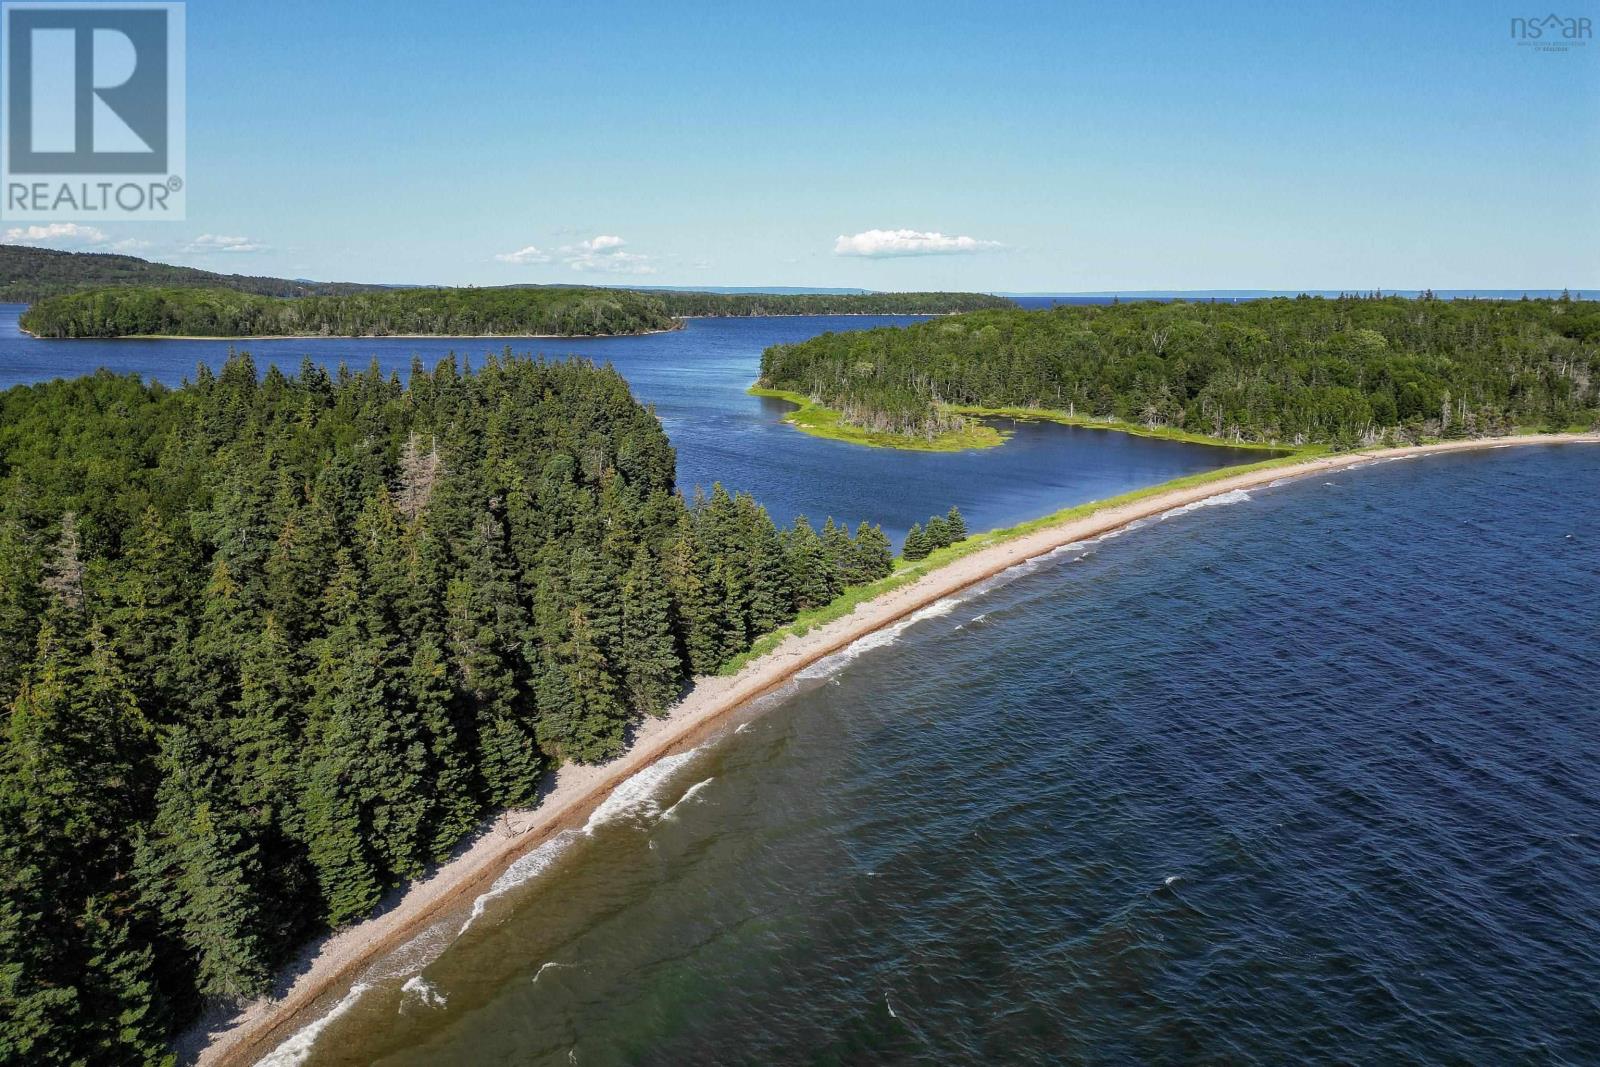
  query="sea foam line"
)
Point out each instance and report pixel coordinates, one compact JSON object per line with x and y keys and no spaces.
{"x":295,"y":1051}
{"x":688,"y":795}
{"x":1232,"y":496}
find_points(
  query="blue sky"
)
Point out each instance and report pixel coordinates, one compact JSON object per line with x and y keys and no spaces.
{"x":1072,"y":146}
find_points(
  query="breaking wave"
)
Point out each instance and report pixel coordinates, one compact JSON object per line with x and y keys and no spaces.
{"x":295,"y":1051}
{"x":1232,"y":496}
{"x":420,"y":989}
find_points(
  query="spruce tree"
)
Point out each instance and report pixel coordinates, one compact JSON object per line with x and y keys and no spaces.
{"x":873,"y":554}
{"x":917,"y":545}
{"x":652,"y":670}
{"x":957,"y":524}
{"x":21,"y":605}
{"x":201,"y":868}
{"x":455,"y":806}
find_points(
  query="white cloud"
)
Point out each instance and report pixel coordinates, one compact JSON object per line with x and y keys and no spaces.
{"x":605,"y":243}
{"x":71,"y":236}
{"x":57,"y":233}
{"x":882,"y":244}
{"x":530,"y":254}
{"x":602,"y":254}
{"x":208,"y":243}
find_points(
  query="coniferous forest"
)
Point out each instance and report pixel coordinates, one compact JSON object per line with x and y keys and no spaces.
{"x":271,"y":645}
{"x":1346,"y":372}
{"x":556,"y":310}
{"x":199,"y":312}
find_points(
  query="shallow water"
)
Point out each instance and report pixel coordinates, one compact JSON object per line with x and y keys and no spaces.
{"x":696,"y":378}
{"x":1308,"y":775}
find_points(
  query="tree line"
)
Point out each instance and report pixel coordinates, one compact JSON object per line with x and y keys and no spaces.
{"x":30,"y":274}
{"x":273,"y":644}
{"x":749,"y":304}
{"x":514,"y":310}
{"x":1347,"y":371}
{"x":207,"y":312}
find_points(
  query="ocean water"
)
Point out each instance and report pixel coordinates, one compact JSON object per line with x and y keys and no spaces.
{"x":696,"y":378}
{"x":1309,"y":775}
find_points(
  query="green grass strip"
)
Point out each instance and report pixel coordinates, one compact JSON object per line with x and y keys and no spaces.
{"x":906,"y":572}
{"x":819,"y":421}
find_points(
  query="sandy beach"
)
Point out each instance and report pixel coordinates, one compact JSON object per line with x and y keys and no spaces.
{"x":327,"y":967}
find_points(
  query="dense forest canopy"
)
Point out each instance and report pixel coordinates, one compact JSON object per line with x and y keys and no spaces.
{"x":443,"y":312}
{"x":739,"y":304}
{"x":270,"y":645}
{"x":29,"y":274}
{"x":513,"y":310}
{"x":1345,"y":371}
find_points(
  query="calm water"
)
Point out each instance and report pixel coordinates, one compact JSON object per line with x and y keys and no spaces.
{"x":696,"y":378}
{"x":1313,"y":776}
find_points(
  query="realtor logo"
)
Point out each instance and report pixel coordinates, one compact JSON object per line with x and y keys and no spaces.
{"x":93,"y":110}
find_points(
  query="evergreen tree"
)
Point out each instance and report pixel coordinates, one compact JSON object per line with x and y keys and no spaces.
{"x":957,"y":524}
{"x":202,"y":869}
{"x":917,"y":545}
{"x":486,"y":636}
{"x":455,"y":806}
{"x":873,"y":555}
{"x":652,"y":670}
{"x":149,"y":612}
{"x":810,"y":571}
{"x":21,"y":605}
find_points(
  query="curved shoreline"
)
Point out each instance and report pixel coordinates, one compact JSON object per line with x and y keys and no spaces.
{"x":333,"y":963}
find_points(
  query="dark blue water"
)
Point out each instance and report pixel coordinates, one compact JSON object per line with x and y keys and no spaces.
{"x":1308,"y":777}
{"x":696,"y":378}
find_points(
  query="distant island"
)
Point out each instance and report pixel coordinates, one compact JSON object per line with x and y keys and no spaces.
{"x":144,"y":312}
{"x":698,"y":304}
{"x":103,"y":296}
{"x":1346,"y":372}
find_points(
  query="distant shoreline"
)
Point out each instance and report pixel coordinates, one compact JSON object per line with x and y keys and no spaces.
{"x":354,"y":336}
{"x":678,"y":319}
{"x":327,"y":968}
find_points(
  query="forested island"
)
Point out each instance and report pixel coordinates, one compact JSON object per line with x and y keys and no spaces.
{"x":1348,"y":371}
{"x":271,"y":645}
{"x":555,"y":311}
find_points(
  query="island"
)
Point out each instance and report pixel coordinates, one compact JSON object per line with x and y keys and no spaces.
{"x":99,"y":295}
{"x":1348,"y":372}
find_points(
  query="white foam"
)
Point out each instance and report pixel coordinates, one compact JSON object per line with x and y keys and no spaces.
{"x":1232,"y":496}
{"x":886,"y":1004}
{"x":525,"y":868}
{"x":690,"y":794}
{"x":828,"y":666}
{"x":638,"y":795}
{"x":545,"y":967}
{"x":297,"y":1049}
{"x":741,"y":728}
{"x":420,"y":989}
{"x":411,"y":957}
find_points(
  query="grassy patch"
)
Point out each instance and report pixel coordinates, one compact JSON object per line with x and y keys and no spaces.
{"x":906,"y":572}
{"x":820,"y":421}
{"x":1065,"y":419}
